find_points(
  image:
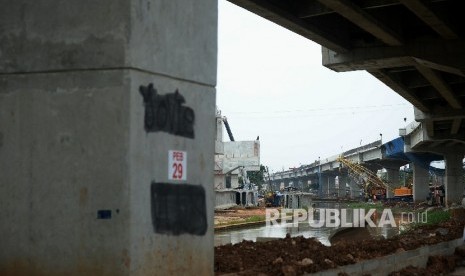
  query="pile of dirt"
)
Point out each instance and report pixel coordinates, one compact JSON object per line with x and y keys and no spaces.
{"x":295,"y":256}
{"x":436,"y":265}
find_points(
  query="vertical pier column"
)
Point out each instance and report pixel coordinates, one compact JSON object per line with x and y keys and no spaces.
{"x":454,"y":178}
{"x":107,"y":137}
{"x":343,"y":178}
{"x":393,"y":181}
{"x":331,"y":185}
{"x":420,"y":183}
{"x":324,"y":185}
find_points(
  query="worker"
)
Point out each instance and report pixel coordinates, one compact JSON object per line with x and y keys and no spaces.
{"x":442,"y":193}
{"x":436,"y":196}
{"x":463,"y":204}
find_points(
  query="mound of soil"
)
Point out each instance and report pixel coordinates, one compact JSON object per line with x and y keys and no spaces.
{"x":295,"y":256}
{"x":437,"y":265}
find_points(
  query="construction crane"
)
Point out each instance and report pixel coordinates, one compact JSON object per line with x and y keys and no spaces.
{"x":366,"y":178}
{"x":228,"y":128}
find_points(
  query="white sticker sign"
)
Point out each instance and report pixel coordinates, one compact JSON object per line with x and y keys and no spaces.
{"x":177,"y":165}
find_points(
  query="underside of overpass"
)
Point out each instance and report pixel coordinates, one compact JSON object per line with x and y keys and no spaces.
{"x":414,"y":47}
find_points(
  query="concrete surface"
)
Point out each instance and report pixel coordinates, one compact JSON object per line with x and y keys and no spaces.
{"x":384,"y":265}
{"x":392,"y":180}
{"x":171,"y":38}
{"x":78,"y":166}
{"x":225,"y":199}
{"x":420,"y":183}
{"x":454,"y":178}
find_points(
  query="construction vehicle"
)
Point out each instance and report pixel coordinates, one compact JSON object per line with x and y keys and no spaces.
{"x":373,"y":186}
{"x":273,"y":199}
{"x":403,"y":193}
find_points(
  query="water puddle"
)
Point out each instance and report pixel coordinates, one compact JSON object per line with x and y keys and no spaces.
{"x":323,"y":234}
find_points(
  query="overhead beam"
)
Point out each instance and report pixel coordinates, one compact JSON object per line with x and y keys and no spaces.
{"x":312,"y":8}
{"x":429,"y":125}
{"x":437,"y":143}
{"x":293,"y":23}
{"x":365,"y":21}
{"x":366,"y":59}
{"x":445,"y":67}
{"x":446,"y":136}
{"x":423,"y":11}
{"x":455,"y":126}
{"x":441,"y":86}
{"x":439,"y":114}
{"x":399,"y":89}
{"x":439,"y":54}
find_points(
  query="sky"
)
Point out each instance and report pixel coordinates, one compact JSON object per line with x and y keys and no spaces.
{"x":272,"y":84}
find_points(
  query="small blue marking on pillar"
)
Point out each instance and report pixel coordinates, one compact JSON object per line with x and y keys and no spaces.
{"x":104,"y":214}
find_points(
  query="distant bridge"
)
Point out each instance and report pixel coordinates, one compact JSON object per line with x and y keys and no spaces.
{"x":375,"y":156}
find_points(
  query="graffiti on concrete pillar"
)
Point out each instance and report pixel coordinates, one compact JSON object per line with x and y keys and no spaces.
{"x":178,"y":209}
{"x":166,"y":112}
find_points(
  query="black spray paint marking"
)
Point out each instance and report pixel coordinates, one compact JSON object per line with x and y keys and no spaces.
{"x":166,"y":113}
{"x":178,"y":209}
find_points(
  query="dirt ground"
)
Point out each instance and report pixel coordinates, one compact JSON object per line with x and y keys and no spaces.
{"x":295,"y":256}
{"x":237,"y":215}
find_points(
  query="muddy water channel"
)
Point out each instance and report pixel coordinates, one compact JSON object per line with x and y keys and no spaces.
{"x":305,"y":229}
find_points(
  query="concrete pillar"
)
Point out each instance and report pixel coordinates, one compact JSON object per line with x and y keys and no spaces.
{"x":354,"y":189}
{"x":88,"y":182}
{"x":324,"y":185}
{"x":392,"y":181}
{"x":331,"y":185}
{"x":420,"y":183}
{"x":341,"y":192}
{"x":454,"y":178}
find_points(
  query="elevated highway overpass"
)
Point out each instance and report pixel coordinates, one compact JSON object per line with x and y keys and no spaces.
{"x":323,"y":171}
{"x":389,"y":156}
{"x":416,"y":48}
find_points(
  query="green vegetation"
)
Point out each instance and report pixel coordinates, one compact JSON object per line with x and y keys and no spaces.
{"x":437,"y":216}
{"x":432,"y":218}
{"x":366,"y":205}
{"x":257,"y":177}
{"x":396,"y":209}
{"x":255,"y":218}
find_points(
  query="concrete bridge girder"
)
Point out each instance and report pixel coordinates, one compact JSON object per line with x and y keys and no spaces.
{"x":417,"y":139}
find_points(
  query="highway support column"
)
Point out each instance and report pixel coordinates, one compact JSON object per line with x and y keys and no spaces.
{"x":324,"y":180}
{"x":454,"y":181}
{"x":354,"y":189}
{"x":107,"y":129}
{"x":331,"y":185}
{"x":342,"y":178}
{"x":393,"y":181}
{"x":420,"y":183}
